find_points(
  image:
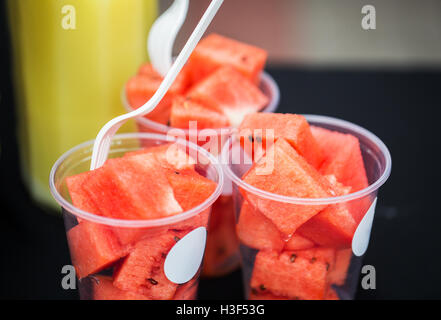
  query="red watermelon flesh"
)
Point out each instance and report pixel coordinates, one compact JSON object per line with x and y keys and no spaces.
{"x":132,"y":188}
{"x":342,"y":157}
{"x":291,"y":176}
{"x":103,"y":191}
{"x":298,"y":242}
{"x":256,"y":294}
{"x":184,"y":110}
{"x":169,"y":155}
{"x":140,"y":88}
{"x":215,"y":51}
{"x":257,"y":231}
{"x":142,"y":178}
{"x":228,"y":92}
{"x":103,"y":289}
{"x":80,"y":198}
{"x":338,"y":273}
{"x":293,"y":274}
{"x":291,"y":127}
{"x":93,"y":247}
{"x":142,"y":270}
{"x":335,"y":225}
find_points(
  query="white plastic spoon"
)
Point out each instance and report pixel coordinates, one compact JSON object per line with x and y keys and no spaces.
{"x":104,"y":137}
{"x":162,"y":36}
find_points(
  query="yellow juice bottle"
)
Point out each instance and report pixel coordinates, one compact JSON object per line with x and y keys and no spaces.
{"x":71,"y":60}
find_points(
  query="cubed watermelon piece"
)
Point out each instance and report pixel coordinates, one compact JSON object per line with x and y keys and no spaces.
{"x":169,"y":155}
{"x":222,"y":243}
{"x":332,"y":227}
{"x":228,"y":92}
{"x":142,"y":271}
{"x":293,"y":274}
{"x":189,"y":187}
{"x":140,"y":88}
{"x":215,"y":51}
{"x":80,"y":198}
{"x":292,"y":127}
{"x":298,"y":242}
{"x":338,"y":273}
{"x":93,"y":247}
{"x":184,"y":110}
{"x":103,"y":191}
{"x":335,"y":225}
{"x":103,"y":289}
{"x":291,"y":176}
{"x":255,"y":230}
{"x":133,"y":188}
{"x":342,"y":157}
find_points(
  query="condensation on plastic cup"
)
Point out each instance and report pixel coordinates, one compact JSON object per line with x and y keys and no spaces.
{"x":83,"y":153}
{"x":267,"y":85}
{"x":378,"y":164}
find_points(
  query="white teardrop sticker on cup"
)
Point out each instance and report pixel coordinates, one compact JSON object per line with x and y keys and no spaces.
{"x":360,"y":241}
{"x":184,"y":259}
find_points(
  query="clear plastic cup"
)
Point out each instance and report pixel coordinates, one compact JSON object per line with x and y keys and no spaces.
{"x":222,"y":255}
{"x":262,"y":276}
{"x":102,"y":247}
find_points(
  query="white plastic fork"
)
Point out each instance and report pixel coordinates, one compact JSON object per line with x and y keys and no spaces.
{"x":104,"y":137}
{"x":162,"y":36}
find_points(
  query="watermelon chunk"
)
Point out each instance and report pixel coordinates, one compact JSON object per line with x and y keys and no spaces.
{"x":293,"y":274}
{"x":103,"y":289}
{"x":298,"y":242}
{"x":184,"y":110}
{"x":215,"y":51}
{"x":257,"y":231}
{"x":335,"y":225}
{"x":291,"y":176}
{"x":292,"y":127}
{"x":227,"y":91}
{"x":80,"y":198}
{"x":102,"y":190}
{"x":222,"y":243}
{"x":93,"y":247}
{"x":142,"y":270}
{"x":342,"y":157}
{"x":189,"y":187}
{"x":338,"y":273}
{"x":140,"y":88}
{"x":264,"y":295}
{"x":169,"y":155}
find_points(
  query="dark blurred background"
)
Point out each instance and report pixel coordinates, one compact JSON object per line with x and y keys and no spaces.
{"x":387,"y":80}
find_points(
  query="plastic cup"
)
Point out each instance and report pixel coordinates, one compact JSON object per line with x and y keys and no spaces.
{"x":222,"y":255}
{"x":101,"y":247}
{"x":257,"y":256}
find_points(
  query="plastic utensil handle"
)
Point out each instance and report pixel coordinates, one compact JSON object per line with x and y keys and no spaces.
{"x":102,"y":142}
{"x":163,"y":34}
{"x":182,"y":58}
